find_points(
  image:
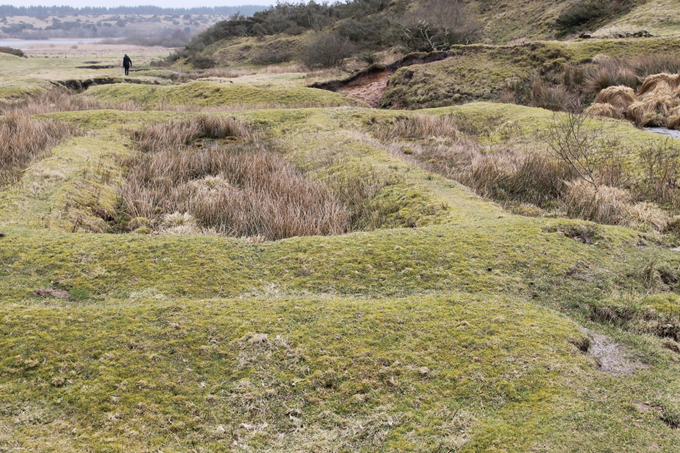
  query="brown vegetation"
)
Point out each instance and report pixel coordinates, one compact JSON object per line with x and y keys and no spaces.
{"x":179,"y":185}
{"x":56,"y":100}
{"x":23,"y":139}
{"x":581,"y":177}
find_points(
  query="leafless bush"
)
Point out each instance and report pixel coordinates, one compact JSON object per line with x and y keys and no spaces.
{"x":23,"y":139}
{"x":572,"y":139}
{"x":327,"y":51}
{"x":437,"y":24}
{"x":660,"y":163}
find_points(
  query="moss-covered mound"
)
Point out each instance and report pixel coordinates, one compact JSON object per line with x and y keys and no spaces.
{"x":219,"y":94}
{"x":448,"y":324}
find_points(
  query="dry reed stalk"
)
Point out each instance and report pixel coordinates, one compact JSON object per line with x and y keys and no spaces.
{"x":178,"y":134}
{"x":229,"y":189}
{"x":23,"y":140}
{"x":255,"y":194}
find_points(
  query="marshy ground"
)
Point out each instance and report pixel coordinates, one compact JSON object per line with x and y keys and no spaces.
{"x":410,"y":298}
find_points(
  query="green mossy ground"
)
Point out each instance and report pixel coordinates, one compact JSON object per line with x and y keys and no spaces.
{"x":219,"y":94}
{"x":449,"y":325}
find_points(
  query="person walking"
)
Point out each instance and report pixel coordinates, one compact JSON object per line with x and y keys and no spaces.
{"x":127,"y":64}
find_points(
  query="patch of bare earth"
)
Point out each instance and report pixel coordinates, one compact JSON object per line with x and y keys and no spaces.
{"x":370,"y":89}
{"x":610,"y":356}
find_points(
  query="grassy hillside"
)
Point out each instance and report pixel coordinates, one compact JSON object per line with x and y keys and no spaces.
{"x":434,"y":318}
{"x":464,"y":333}
{"x":287,"y":33}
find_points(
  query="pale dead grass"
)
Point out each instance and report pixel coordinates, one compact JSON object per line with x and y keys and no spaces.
{"x":604,"y":110}
{"x":23,"y":140}
{"x":58,"y":100}
{"x":419,"y":126}
{"x":230,"y":185}
{"x":620,"y":97}
{"x":613,"y":206}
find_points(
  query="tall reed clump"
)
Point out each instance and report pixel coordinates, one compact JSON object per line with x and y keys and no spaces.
{"x":215,"y":174}
{"x":22,"y":140}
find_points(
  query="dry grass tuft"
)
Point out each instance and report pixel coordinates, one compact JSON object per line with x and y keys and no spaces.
{"x":57,"y":100}
{"x":658,"y":102}
{"x":238,"y":189}
{"x":660,"y":83}
{"x":512,"y":176}
{"x":604,"y":205}
{"x":178,"y":134}
{"x":620,"y":97}
{"x":23,"y":140}
{"x":643,"y":216}
{"x":613,"y":206}
{"x":605,"y":110}
{"x":419,"y":127}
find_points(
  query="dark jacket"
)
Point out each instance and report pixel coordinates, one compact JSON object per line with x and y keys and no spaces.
{"x":127,"y":62}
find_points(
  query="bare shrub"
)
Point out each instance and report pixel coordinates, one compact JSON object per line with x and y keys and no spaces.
{"x":328,"y":50}
{"x":23,"y":140}
{"x":575,"y":141}
{"x":660,"y":163}
{"x":435,"y":25}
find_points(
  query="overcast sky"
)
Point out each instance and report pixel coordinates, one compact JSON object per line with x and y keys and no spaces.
{"x":163,"y":3}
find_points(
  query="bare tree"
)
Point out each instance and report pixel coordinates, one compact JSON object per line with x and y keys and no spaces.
{"x":437,"y":24}
{"x":572,"y":140}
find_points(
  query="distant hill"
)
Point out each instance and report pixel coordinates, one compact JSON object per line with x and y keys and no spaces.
{"x":421,"y":26}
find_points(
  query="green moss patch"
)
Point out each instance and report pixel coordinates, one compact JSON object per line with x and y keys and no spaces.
{"x":212,"y":94}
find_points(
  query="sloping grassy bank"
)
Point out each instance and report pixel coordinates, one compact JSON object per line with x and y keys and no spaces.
{"x":460,"y":331}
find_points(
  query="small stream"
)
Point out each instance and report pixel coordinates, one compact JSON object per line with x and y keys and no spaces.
{"x":663,"y":131}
